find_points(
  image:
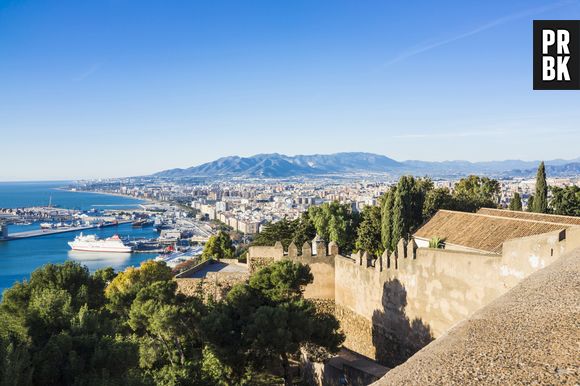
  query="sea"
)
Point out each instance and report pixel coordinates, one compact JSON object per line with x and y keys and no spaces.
{"x":18,"y":258}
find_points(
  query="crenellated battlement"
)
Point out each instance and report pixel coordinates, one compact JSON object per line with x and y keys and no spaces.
{"x":318,"y":250}
{"x":318,"y":255}
{"x":417,"y":291}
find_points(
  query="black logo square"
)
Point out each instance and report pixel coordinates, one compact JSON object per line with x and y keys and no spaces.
{"x":556,"y":54}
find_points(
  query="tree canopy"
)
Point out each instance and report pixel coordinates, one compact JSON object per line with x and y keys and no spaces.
{"x":515,"y":202}
{"x":565,"y":201}
{"x":369,"y":231}
{"x":66,"y":326}
{"x":218,"y":247}
{"x":474,"y":192}
{"x":331,"y":221}
{"x":267,"y":320}
{"x":335,"y":222}
{"x":540,"y":203}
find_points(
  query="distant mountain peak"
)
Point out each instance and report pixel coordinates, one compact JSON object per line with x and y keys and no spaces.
{"x":279,"y":165}
{"x":276,"y":165}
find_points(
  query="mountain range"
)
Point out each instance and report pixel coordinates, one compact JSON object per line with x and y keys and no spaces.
{"x":357,"y":163}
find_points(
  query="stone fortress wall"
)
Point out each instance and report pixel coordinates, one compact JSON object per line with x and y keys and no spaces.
{"x":391,"y":306}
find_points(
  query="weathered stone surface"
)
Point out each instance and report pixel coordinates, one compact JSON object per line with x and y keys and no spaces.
{"x":529,"y":336}
{"x":388,"y":314}
{"x":292,"y":250}
{"x":358,"y":332}
{"x":258,"y":263}
{"x":215,"y":285}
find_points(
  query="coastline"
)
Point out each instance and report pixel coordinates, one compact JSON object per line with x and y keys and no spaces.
{"x":144,"y":200}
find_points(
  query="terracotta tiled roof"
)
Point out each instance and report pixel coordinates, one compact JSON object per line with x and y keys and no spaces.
{"x":483,"y":232}
{"x":554,"y":218}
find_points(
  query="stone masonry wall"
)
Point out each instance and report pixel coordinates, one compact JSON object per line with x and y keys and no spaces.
{"x":215,"y":284}
{"x":392,"y":306}
{"x":407,"y":302}
{"x":321,"y":265}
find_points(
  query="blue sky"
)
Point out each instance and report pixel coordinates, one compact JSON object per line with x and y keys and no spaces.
{"x":115,"y":88}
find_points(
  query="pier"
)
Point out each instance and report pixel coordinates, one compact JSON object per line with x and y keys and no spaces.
{"x":48,"y":232}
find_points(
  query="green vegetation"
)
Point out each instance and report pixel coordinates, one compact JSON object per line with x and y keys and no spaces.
{"x":566,"y":200}
{"x":369,"y":231}
{"x":332,"y":221}
{"x":401,"y":211}
{"x":437,"y":243}
{"x":218,"y":247}
{"x":335,"y":222}
{"x":283,"y":231}
{"x":407,"y":212}
{"x":540,"y":203}
{"x":69,"y":327}
{"x":530,"y":203}
{"x":515,"y":202}
{"x":388,"y":201}
{"x":409,"y":204}
{"x":474,"y":192}
{"x":266,"y":321}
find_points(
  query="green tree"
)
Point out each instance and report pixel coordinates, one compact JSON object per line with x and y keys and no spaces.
{"x":15,"y":362}
{"x":61,"y":333}
{"x":304,"y":231}
{"x":540,"y":204}
{"x":123,"y":289}
{"x":408,"y":207}
{"x":435,"y":199}
{"x":515,"y":202}
{"x":218,"y":247}
{"x":335,"y":222}
{"x":474,"y":192}
{"x":267,"y":320}
{"x":166,"y":325}
{"x":530,"y":207}
{"x":283,"y":231}
{"x":369,"y":231}
{"x":565,"y":201}
{"x":387,"y":218}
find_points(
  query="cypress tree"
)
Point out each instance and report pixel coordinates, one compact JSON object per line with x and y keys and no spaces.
{"x":531,"y":203}
{"x":515,"y":202}
{"x":398,"y":227}
{"x":541,"y":195}
{"x":387,"y":218}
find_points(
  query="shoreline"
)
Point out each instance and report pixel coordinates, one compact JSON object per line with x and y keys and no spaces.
{"x":144,"y":200}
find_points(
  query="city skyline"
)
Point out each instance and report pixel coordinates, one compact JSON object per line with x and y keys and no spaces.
{"x":112,"y":89}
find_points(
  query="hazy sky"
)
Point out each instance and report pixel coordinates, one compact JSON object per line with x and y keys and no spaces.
{"x":114,"y":88}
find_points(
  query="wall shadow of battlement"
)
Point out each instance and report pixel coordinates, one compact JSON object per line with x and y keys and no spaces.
{"x":395,"y":337}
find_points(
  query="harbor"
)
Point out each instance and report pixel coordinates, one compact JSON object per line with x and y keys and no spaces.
{"x":48,"y":232}
{"x":39,"y":227}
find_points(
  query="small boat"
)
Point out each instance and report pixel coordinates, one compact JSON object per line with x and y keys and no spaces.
{"x":141,"y":223}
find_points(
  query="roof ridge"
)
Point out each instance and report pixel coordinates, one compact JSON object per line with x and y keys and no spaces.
{"x":509,"y":218}
{"x":532,"y":213}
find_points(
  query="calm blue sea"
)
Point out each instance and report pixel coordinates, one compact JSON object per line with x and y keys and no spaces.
{"x":18,"y":258}
{"x":24,"y":194}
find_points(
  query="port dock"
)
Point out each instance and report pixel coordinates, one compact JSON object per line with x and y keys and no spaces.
{"x":48,"y":232}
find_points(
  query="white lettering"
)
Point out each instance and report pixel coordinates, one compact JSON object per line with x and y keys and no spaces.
{"x":548,"y":39}
{"x":563,"y":40}
{"x":563,"y":73}
{"x":548,"y":71}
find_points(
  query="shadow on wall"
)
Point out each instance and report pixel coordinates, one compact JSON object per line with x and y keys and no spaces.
{"x":395,"y":337}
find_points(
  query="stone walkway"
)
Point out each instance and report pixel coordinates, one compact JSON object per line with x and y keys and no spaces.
{"x":529,"y":336}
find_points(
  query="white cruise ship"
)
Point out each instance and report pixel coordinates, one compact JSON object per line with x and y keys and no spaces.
{"x":91,"y":243}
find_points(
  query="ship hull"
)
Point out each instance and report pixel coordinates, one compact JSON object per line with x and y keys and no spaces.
{"x":97,"y":248}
